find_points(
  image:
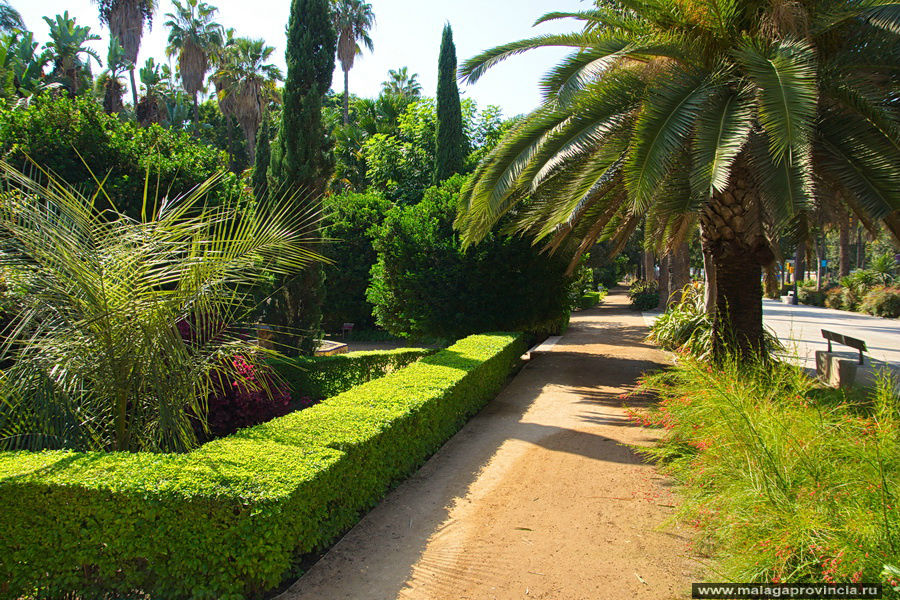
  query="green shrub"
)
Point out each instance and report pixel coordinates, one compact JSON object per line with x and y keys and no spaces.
{"x":783,"y":481}
{"x":225,"y":521}
{"x":644,"y":295}
{"x":591,"y":299}
{"x":426,"y":284}
{"x":834,"y":298}
{"x":882,"y":302}
{"x":325,"y":376}
{"x":811,"y":296}
{"x":75,"y":138}
{"x":350,"y":223}
{"x":685,"y":326}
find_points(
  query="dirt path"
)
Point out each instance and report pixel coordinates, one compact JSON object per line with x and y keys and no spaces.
{"x":535,"y":498}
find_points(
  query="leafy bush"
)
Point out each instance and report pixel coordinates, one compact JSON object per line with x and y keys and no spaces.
{"x":811,"y":296}
{"x":251,"y":397}
{"x":685,"y":326}
{"x":426,"y":284}
{"x":225,"y":521}
{"x":835,"y":298}
{"x":644,"y":295}
{"x":97,"y":359}
{"x":350,"y":223}
{"x":591,"y":299}
{"x":784,"y":481}
{"x":882,"y":302}
{"x":74,"y":138}
{"x":325,"y":376}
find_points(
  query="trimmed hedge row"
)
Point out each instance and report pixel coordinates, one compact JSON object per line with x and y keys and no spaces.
{"x":227,"y":520}
{"x":327,"y":376}
{"x":590,"y":299}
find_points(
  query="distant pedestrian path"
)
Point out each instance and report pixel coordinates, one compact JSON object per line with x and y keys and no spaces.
{"x":800,"y":329}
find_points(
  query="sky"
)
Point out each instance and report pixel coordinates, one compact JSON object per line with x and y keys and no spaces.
{"x":407,"y":33}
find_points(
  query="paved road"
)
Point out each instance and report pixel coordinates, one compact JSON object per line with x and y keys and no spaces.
{"x":540,"y":496}
{"x":800,"y":330}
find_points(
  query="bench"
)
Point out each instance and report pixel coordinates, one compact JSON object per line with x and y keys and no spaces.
{"x":846,"y":340}
{"x":346,"y":328}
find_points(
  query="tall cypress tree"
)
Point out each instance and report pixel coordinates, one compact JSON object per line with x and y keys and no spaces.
{"x":301,"y":163}
{"x":451,"y":143}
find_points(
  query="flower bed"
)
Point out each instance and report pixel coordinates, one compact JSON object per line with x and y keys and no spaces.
{"x":227,"y":520}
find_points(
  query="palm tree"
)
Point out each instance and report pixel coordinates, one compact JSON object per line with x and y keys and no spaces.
{"x":26,"y":63}
{"x":401,"y":83}
{"x":246,"y":84}
{"x":195,"y":37}
{"x":126,"y":20}
{"x":10,"y":19}
{"x":727,"y":112}
{"x":352,"y":20}
{"x":116,"y":64}
{"x":66,"y":47}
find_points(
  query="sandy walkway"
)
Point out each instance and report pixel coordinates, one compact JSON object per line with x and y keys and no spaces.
{"x":534,"y":498}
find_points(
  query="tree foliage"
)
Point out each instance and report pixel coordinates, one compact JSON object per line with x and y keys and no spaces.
{"x":426,"y":284}
{"x":451,"y":143}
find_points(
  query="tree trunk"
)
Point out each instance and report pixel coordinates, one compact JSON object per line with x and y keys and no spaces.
{"x":844,"y":245}
{"x":709,"y":281}
{"x":679,"y":271}
{"x":134,"y":94}
{"x":228,"y":143}
{"x":663,"y":289}
{"x":346,"y":96}
{"x":649,"y":265}
{"x":771,"y":282}
{"x":732,"y":233}
{"x":196,"y":111}
{"x":800,"y":264}
{"x":860,"y":248}
{"x":818,"y":265}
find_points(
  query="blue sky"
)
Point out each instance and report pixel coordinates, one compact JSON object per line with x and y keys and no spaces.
{"x":407,"y":33}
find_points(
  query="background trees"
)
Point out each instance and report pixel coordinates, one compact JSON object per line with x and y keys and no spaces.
{"x":68,"y":53}
{"x":126,"y":20}
{"x":194,"y":36}
{"x":352,"y":21}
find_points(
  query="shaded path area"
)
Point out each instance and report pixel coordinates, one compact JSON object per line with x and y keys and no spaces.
{"x":536,"y":497}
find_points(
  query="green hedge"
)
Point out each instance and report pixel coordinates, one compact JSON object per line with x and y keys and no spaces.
{"x":227,"y":520}
{"x":590,"y":299}
{"x":327,"y":376}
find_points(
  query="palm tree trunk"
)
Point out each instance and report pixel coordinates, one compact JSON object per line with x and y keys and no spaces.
{"x":732,"y":233}
{"x":196,"y":111}
{"x":709,"y":281}
{"x":664,"y":291}
{"x":134,"y":94}
{"x":680,"y":271}
{"x":844,"y":245}
{"x":649,"y":265}
{"x":346,"y":96}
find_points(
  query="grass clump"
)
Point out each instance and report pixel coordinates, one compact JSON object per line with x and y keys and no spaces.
{"x":785,"y":481}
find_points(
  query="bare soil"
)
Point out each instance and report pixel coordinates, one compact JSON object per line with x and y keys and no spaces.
{"x":539,"y":496}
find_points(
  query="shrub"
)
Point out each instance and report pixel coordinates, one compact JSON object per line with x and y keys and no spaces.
{"x":425,"y":283}
{"x":784,"y":481}
{"x":685,"y":326}
{"x":882,"y":302}
{"x":249,"y":398}
{"x":350,"y":223}
{"x":53,"y":131}
{"x":98,"y":359}
{"x":325,"y":376}
{"x":644,"y":295}
{"x":834,"y":298}
{"x":225,"y":521}
{"x":591,"y":299}
{"x":811,"y":296}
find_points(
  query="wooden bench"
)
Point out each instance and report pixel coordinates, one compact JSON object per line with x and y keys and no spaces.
{"x":846,"y":340}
